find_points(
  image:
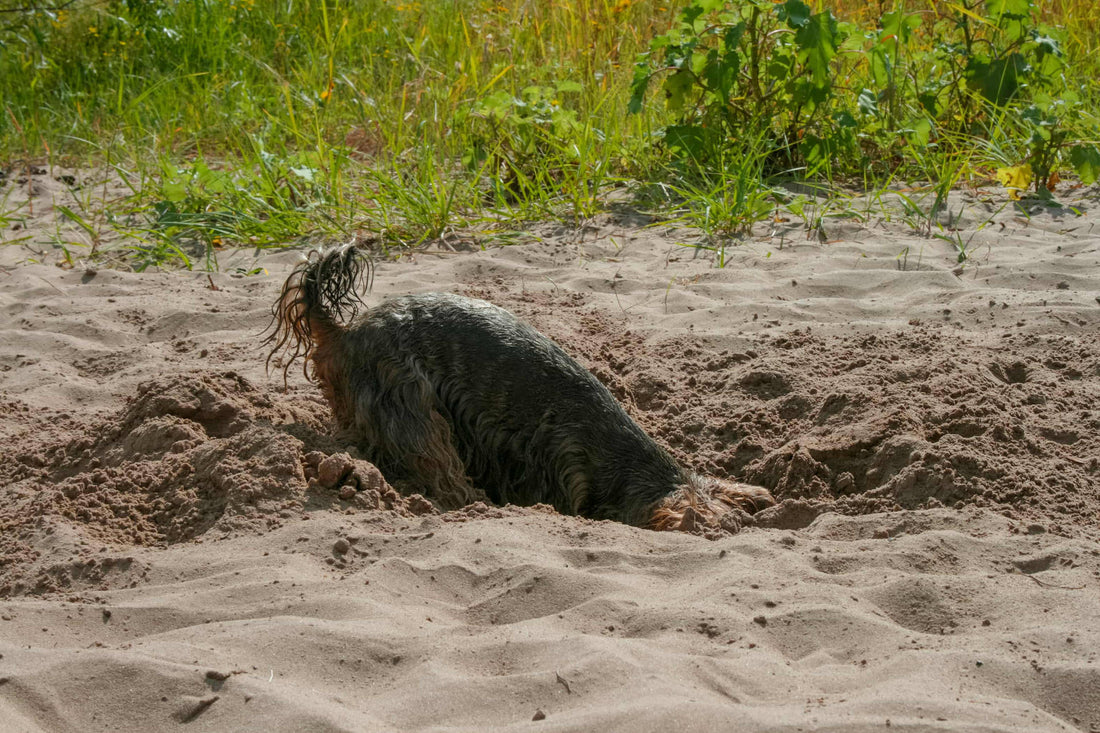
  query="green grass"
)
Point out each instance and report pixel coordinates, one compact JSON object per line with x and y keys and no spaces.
{"x":268,"y":123}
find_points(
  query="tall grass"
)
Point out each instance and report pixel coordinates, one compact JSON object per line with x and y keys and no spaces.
{"x":217,"y":77}
{"x":264,"y":121}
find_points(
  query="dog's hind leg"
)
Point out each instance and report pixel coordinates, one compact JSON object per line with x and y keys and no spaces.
{"x":403,"y":429}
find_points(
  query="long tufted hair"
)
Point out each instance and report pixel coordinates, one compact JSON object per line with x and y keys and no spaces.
{"x":320,"y":296}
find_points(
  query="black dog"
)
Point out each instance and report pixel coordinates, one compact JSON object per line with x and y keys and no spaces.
{"x":460,"y":396}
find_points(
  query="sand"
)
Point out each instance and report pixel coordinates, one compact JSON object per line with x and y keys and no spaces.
{"x":184,"y":543}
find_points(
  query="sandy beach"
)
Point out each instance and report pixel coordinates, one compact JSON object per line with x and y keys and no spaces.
{"x":170,"y":557}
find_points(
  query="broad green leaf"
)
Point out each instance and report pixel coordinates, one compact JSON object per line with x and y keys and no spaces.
{"x":1012,"y":17}
{"x":661,"y":41}
{"x":691,"y":14}
{"x":205,"y":177}
{"x":781,"y":65}
{"x":919,"y":131}
{"x":817,"y":41}
{"x":795,"y":12}
{"x":732,"y":36}
{"x":720,"y":75}
{"x":497,"y":105}
{"x":1011,"y":8}
{"x":677,"y":88}
{"x":1033,"y":114}
{"x":175,"y":190}
{"x":805,"y":92}
{"x":845,"y":120}
{"x":882,"y":64}
{"x":1085,"y":160}
{"x":997,"y":80}
{"x":1046,"y":44}
{"x":1051,"y":67}
{"x":533,"y":93}
{"x":930,"y":102}
{"x":899,"y":24}
{"x":638,"y":87}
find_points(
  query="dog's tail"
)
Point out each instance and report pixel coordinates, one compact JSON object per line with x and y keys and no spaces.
{"x":319,"y":298}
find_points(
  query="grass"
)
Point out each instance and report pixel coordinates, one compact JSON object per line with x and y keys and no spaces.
{"x":269,"y":122}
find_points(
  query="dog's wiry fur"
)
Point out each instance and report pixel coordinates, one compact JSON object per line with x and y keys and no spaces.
{"x":459,"y":396}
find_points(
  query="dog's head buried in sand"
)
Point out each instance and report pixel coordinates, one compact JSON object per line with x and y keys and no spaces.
{"x":466,"y":402}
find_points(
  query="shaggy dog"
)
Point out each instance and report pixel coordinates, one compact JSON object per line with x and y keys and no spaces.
{"x":461,"y":397}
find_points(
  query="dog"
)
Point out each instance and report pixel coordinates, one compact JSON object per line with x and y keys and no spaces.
{"x":467,"y":402}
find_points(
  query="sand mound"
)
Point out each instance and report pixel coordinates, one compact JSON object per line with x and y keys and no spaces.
{"x":188,"y":456}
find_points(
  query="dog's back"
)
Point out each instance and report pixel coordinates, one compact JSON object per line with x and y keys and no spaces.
{"x":529,"y":423}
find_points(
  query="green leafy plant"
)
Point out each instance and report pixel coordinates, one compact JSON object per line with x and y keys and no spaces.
{"x":514,"y":136}
{"x":1010,"y":61}
{"x":726,"y":67}
{"x":730,"y":66}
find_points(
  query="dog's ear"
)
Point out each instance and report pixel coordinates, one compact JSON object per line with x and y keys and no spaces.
{"x":321,"y":295}
{"x":288,"y":330}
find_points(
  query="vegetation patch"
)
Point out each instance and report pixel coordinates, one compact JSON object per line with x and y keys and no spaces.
{"x":260,"y":123}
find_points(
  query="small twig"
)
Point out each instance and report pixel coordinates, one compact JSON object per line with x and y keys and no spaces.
{"x":1052,"y":585}
{"x":51,"y":284}
{"x":211,"y":281}
{"x":564,"y":683}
